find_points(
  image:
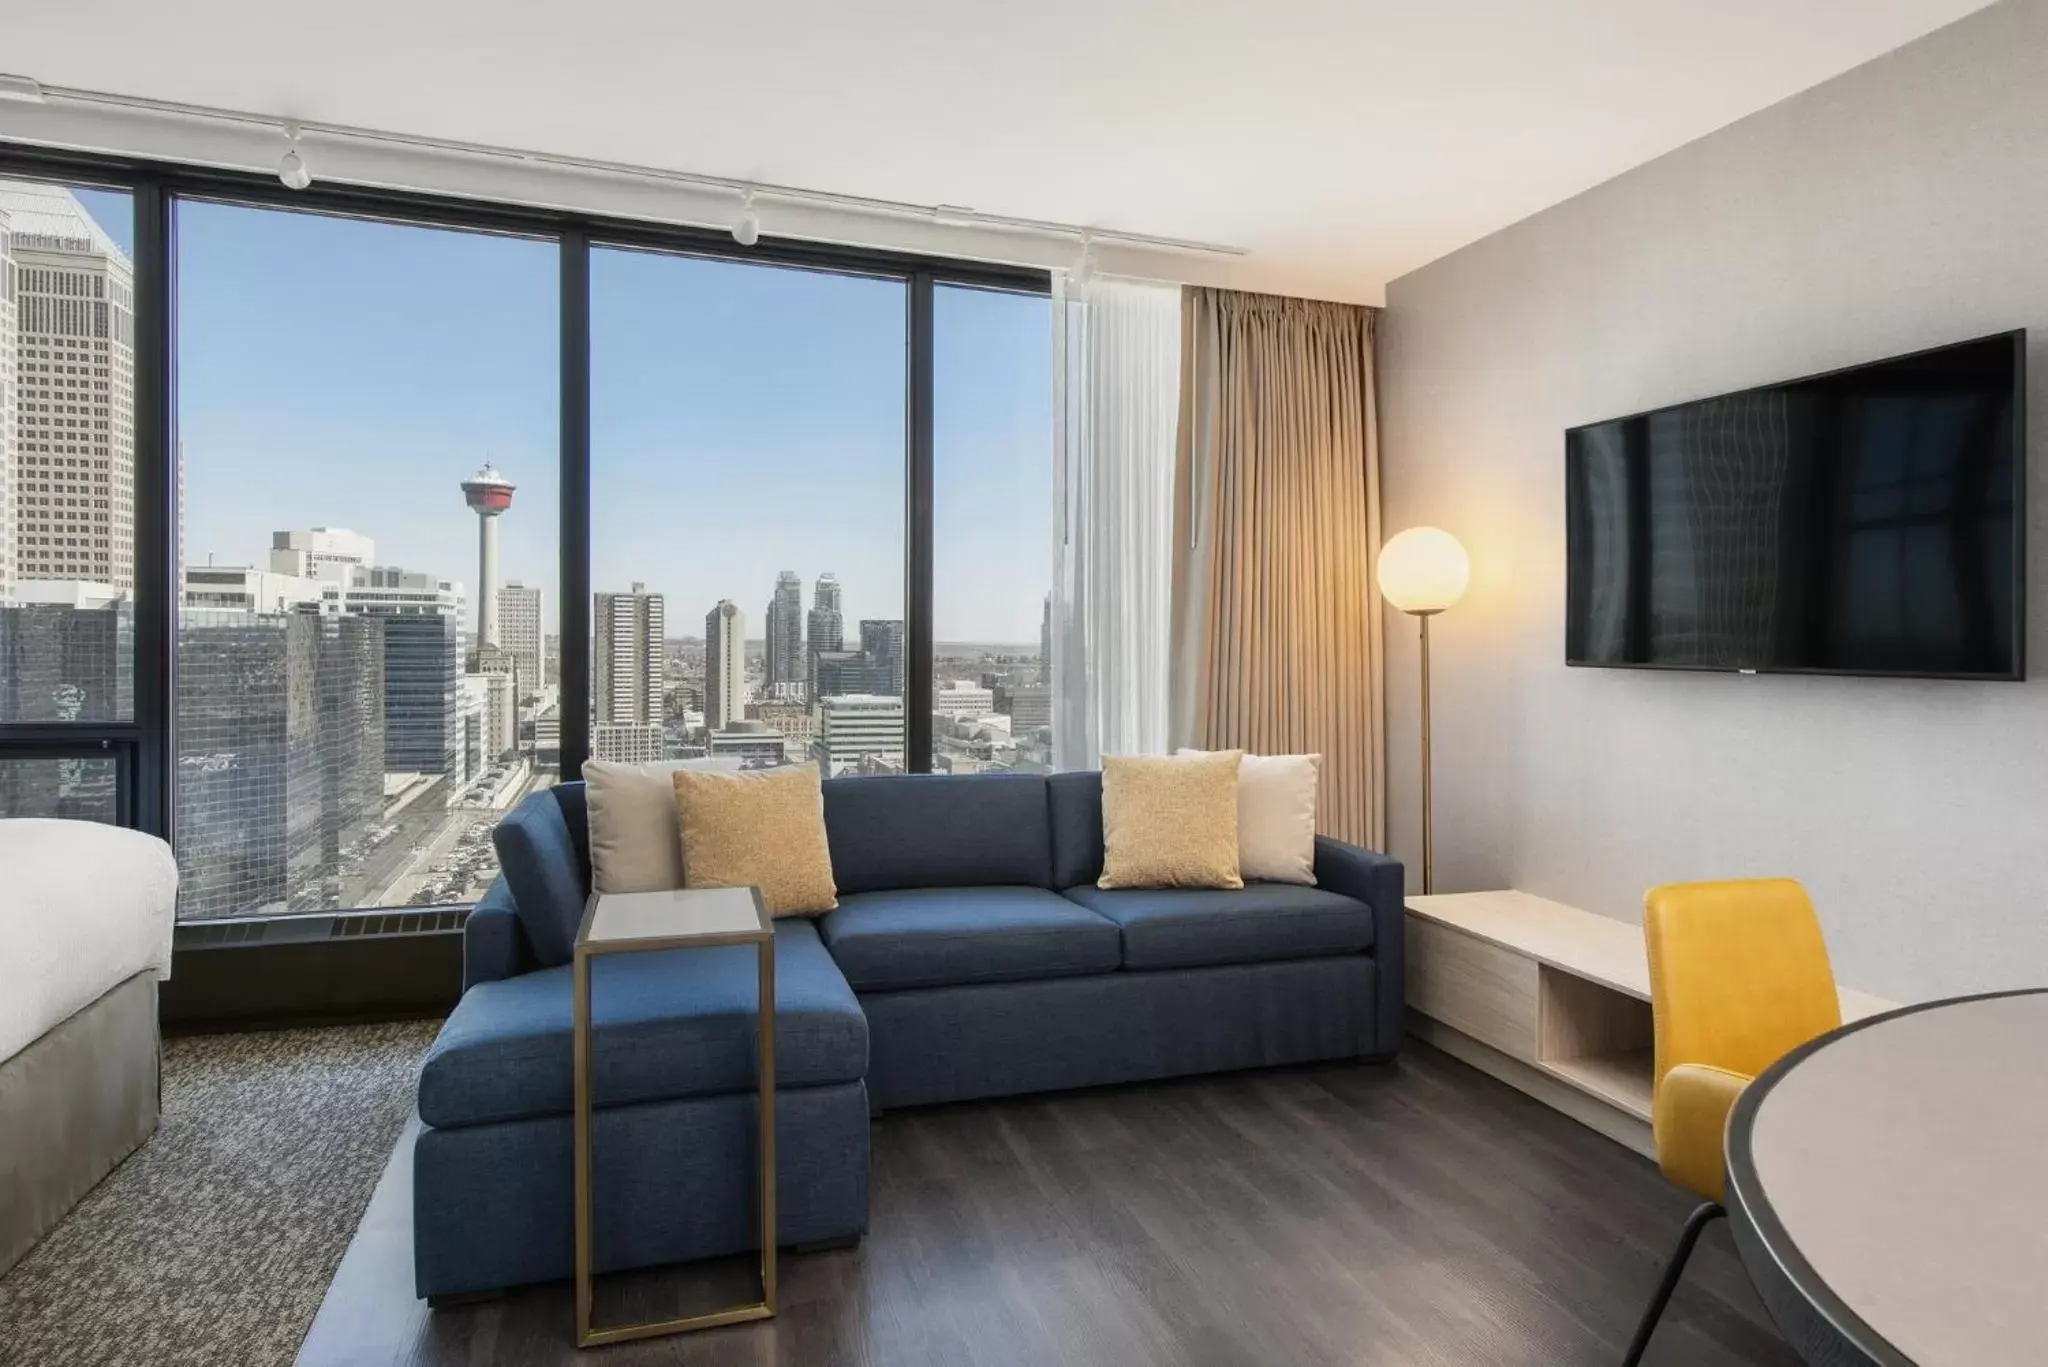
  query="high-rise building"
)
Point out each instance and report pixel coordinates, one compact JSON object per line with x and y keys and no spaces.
{"x":422,"y":722}
{"x":329,"y":571}
{"x":65,"y":653}
{"x":786,"y":634}
{"x":626,"y":742}
{"x":280,"y":777}
{"x":519,"y":623}
{"x":328,"y":553}
{"x":627,"y":656}
{"x":489,"y":495}
{"x":1029,"y":706}
{"x":837,"y":673}
{"x":882,"y":642}
{"x":725,"y":665}
{"x":963,"y":701}
{"x":1045,"y":643}
{"x":791,"y":720}
{"x":826,"y":627}
{"x":754,"y":743}
{"x":854,"y":731}
{"x":67,"y":369}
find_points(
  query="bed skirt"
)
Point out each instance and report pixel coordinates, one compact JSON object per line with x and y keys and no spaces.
{"x":72,"y":1105}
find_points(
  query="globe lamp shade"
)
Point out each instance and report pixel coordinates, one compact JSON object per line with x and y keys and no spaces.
{"x":1423,"y":570}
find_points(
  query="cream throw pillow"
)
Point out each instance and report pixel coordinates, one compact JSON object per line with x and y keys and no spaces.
{"x":1276,"y":817}
{"x":635,"y":843}
{"x":764,"y":827}
{"x":1170,"y":821}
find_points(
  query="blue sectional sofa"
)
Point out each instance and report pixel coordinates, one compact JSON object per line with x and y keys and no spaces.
{"x":971,"y":955}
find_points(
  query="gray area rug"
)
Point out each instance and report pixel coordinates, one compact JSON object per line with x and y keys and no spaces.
{"x":215,"y":1242}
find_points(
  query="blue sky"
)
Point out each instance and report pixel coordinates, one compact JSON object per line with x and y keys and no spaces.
{"x":340,"y":373}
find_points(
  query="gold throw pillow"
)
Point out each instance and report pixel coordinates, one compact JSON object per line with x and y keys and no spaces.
{"x":1170,"y":821}
{"x":764,"y":828}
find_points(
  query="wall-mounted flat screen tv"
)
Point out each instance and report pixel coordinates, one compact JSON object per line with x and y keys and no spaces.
{"x":1868,"y":521}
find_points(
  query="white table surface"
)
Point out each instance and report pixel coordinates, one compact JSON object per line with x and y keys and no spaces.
{"x":1907,"y":1162}
{"x":619,"y":919}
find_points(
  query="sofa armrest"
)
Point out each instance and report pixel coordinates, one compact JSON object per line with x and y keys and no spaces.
{"x":1380,"y":882}
{"x":493,"y":945}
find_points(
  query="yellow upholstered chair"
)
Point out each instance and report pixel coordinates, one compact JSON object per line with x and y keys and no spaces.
{"x":1739,"y":977}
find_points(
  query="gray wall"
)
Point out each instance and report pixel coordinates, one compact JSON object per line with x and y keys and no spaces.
{"x":1899,"y":206}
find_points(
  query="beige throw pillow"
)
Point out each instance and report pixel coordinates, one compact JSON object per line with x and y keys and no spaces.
{"x":635,"y":843}
{"x":764,"y":827}
{"x":1170,"y":821}
{"x":1276,"y":817}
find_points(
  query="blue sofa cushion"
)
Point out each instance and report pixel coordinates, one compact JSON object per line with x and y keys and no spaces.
{"x":938,"y":831}
{"x":932,"y":937}
{"x":543,"y":849}
{"x":667,"y":1023}
{"x":1187,"y":927}
{"x":1076,"y":801}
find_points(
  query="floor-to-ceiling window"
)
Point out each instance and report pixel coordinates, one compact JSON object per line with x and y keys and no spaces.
{"x":992,"y":493}
{"x":747,"y":527}
{"x":67,"y":500}
{"x":293,"y":483}
{"x":367,"y":662}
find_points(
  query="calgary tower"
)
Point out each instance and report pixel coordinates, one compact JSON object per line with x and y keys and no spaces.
{"x":488,"y":494}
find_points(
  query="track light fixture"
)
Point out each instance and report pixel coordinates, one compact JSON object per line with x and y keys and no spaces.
{"x":1083,"y":269}
{"x":291,"y":167}
{"x":747,"y":231}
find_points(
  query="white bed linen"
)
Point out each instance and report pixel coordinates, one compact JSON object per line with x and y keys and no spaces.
{"x":83,"y":906}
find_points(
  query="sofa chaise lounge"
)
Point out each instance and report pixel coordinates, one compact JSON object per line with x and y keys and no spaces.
{"x":971,"y":955}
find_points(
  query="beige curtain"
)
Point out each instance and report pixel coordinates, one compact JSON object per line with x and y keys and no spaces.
{"x":1276,"y":635}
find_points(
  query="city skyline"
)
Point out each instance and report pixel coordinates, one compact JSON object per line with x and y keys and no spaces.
{"x":687,"y":354}
{"x":363,"y":665}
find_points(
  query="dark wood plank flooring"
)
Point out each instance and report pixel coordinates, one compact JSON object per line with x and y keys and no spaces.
{"x":1413,"y":1213}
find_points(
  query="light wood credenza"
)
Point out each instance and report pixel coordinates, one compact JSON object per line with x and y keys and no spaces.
{"x":1550,"y":999}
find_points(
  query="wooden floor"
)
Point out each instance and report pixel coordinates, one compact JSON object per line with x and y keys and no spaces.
{"x":1415,"y":1213}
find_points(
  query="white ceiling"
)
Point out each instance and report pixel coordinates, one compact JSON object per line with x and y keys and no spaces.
{"x":1342,"y":141}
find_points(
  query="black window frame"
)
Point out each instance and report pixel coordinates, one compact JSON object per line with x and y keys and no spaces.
{"x":146,"y":745}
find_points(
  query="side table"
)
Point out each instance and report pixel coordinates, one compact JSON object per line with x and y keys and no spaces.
{"x":637,"y":922}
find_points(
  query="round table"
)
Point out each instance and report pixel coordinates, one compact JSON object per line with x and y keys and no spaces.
{"x":1888,"y":1187}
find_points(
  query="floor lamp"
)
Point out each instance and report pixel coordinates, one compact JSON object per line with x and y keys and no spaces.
{"x":1422,"y":571}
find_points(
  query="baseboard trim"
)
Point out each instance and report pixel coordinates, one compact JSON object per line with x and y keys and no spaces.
{"x":1623,"y":1129}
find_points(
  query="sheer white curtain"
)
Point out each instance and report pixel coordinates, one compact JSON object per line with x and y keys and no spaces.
{"x":1116,"y":396}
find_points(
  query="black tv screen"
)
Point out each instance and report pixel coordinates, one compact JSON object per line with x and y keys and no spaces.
{"x":1867,"y":521}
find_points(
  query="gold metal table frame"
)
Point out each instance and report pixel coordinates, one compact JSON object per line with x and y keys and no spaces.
{"x":762,"y":937}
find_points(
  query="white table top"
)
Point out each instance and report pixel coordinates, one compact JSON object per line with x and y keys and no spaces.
{"x":1904,"y":1162}
{"x":625,"y":920}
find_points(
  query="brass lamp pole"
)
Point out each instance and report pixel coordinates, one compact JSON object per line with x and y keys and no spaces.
{"x":1422,"y":571}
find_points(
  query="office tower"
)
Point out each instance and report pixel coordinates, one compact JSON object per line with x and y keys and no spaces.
{"x":626,"y":742}
{"x":755,"y":744}
{"x":325,"y":553}
{"x":855,"y":729}
{"x":963,"y":701}
{"x":791,"y":720}
{"x":422,"y":717}
{"x":786,"y":633}
{"x":1045,"y":643}
{"x":65,"y":654}
{"x":280,"y":734}
{"x":519,"y":619}
{"x":725,"y":665}
{"x":488,"y":495}
{"x":1029,"y":707}
{"x":67,"y":365}
{"x":840,"y":672}
{"x":826,"y":628}
{"x":882,"y":642}
{"x":627,"y":656}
